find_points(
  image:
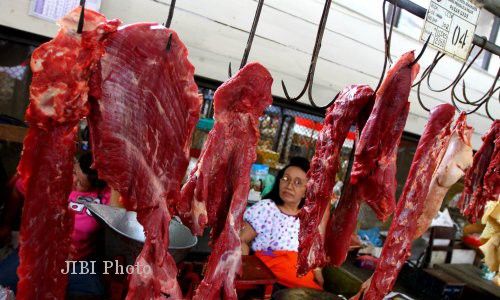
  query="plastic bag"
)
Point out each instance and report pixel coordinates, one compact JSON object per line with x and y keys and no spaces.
{"x":442,"y":219}
{"x":370,"y":236}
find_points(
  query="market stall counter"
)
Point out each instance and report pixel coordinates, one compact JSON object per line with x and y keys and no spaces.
{"x":347,"y":279}
{"x":476,"y":287}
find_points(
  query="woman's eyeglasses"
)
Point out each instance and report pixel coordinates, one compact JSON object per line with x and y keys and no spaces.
{"x":297,"y":182}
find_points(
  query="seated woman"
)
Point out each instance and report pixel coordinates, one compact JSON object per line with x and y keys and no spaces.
{"x":86,"y":188}
{"x":271,"y":227}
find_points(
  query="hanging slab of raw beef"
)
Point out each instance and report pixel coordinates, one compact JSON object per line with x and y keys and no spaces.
{"x":410,"y":205}
{"x":144,"y":108}
{"x":341,"y":226}
{"x":455,"y":160}
{"x":342,"y":223}
{"x":324,"y":165}
{"x":58,"y":99}
{"x":482,"y":180}
{"x":216,"y":191}
{"x":374,"y":167}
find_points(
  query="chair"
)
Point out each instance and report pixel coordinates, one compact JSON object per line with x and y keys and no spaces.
{"x":440,"y":232}
{"x":255,"y":275}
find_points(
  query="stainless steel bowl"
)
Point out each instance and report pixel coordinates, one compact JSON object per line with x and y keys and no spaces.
{"x":124,"y":235}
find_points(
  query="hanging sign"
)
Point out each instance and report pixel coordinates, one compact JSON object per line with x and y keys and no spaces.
{"x":53,"y":10}
{"x":452,"y":24}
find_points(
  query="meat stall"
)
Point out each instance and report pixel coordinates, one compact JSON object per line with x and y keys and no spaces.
{"x":185,"y":155}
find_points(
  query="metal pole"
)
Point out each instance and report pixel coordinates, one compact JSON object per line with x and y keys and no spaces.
{"x":493,"y":6}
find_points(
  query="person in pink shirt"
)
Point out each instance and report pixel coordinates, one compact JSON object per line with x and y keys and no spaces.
{"x":87,"y":188}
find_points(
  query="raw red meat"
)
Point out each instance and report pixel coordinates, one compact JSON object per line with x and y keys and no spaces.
{"x":62,"y":67}
{"x":343,"y":221}
{"x":216,"y":191}
{"x":58,"y":99}
{"x":47,"y":169}
{"x":374,"y":167}
{"x":341,"y":226}
{"x":482,"y":180}
{"x":410,"y":206}
{"x":324,"y":165}
{"x":141,"y":131}
{"x":456,"y":157}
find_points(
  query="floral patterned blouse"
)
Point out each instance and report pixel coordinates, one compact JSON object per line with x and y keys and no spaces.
{"x":275,"y":230}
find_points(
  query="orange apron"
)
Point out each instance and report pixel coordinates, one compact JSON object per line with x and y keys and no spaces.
{"x":284,"y":266}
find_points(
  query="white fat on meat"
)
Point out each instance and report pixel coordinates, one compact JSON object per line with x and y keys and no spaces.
{"x":454,"y":162}
{"x":37,"y":65}
{"x":69,"y":22}
{"x":45,"y":101}
{"x":229,"y":265}
{"x":199,"y":209}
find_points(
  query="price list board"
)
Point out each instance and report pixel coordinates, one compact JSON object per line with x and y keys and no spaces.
{"x":451,"y":24}
{"x":53,"y":10}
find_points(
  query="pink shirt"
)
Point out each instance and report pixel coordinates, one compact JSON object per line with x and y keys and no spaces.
{"x":86,"y":226}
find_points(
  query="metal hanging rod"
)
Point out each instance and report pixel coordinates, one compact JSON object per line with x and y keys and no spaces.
{"x":491,"y":5}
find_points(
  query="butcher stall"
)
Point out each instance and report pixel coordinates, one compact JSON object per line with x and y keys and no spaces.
{"x":249,"y":149}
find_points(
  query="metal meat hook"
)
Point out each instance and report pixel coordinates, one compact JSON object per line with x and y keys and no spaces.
{"x":387,"y":42}
{"x":421,"y":51}
{"x":455,"y":100}
{"x":168,"y":22}
{"x":251,"y":35}
{"x":488,"y":102}
{"x":82,"y":17}
{"x":170,"y":14}
{"x":314,"y":58}
{"x":169,"y":42}
{"x":426,"y":75}
{"x":484,"y":100}
{"x":465,"y":67}
{"x":487,"y":95}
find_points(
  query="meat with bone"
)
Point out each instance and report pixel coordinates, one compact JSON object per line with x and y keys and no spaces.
{"x":456,"y":159}
{"x":374,"y":167}
{"x":141,"y":125}
{"x":216,"y":191}
{"x":410,"y":206}
{"x":58,"y":99}
{"x":482,"y":180}
{"x":324,"y":165}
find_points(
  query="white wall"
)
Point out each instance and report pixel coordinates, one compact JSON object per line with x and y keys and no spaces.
{"x":215,"y":32}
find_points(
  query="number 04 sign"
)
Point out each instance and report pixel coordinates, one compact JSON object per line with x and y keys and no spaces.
{"x":452,"y":24}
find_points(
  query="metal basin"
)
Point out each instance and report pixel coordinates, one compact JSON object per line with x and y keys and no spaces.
{"x":124,"y":235}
